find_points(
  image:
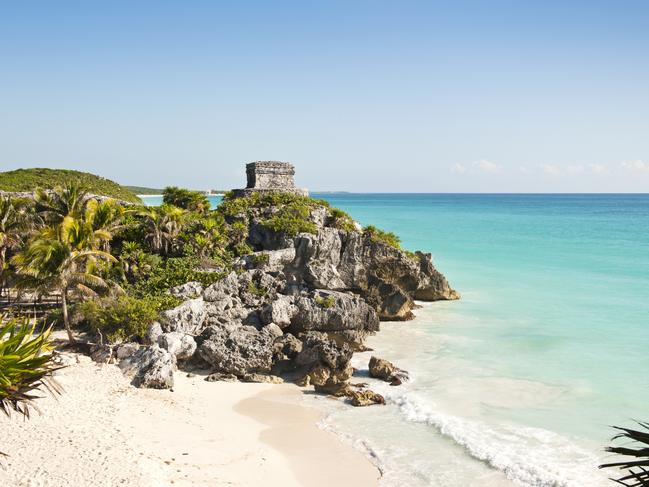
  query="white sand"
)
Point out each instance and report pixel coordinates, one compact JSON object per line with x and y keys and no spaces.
{"x":103,"y":432}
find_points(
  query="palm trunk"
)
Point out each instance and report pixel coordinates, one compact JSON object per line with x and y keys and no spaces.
{"x":66,"y":318}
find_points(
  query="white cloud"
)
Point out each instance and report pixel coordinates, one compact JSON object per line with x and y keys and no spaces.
{"x":598,"y":168}
{"x":637,"y":166}
{"x":551,"y":169}
{"x":487,"y":166}
{"x":458,"y":168}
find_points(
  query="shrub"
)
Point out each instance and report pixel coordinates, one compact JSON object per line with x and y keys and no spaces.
{"x":242,"y":248}
{"x":325,"y":302}
{"x":172,"y":272}
{"x":186,"y":199}
{"x":25,"y":364}
{"x":256,"y":290}
{"x":342,"y":220}
{"x":125,"y":317}
{"x":260,"y":259}
{"x":382,"y":236}
{"x":291,"y":220}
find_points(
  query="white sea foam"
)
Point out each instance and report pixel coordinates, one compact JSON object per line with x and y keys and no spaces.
{"x":529,"y":456}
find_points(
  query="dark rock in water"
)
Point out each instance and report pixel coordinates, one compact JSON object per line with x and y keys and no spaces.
{"x":237,"y":349}
{"x":150,"y":367}
{"x":365,"y":397}
{"x":387,"y":371}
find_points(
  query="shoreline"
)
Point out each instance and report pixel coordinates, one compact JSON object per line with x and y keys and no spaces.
{"x":102,"y":432}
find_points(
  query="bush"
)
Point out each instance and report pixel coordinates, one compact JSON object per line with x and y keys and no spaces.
{"x":125,"y":318}
{"x":342,"y":220}
{"x":382,"y":236}
{"x":186,"y":199}
{"x":172,"y":272}
{"x":256,"y":290}
{"x":25,"y":364}
{"x":325,"y":302}
{"x":291,"y":220}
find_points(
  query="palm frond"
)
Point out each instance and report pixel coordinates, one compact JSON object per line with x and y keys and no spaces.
{"x":637,"y":465}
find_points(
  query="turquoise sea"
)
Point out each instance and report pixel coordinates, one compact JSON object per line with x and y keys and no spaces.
{"x":518,"y":382}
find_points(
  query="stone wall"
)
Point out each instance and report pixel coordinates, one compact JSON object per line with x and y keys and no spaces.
{"x":270,"y":176}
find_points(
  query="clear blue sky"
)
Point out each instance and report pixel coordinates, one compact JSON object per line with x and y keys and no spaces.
{"x":360,"y":95}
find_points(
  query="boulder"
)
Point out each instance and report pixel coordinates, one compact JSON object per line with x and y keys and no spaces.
{"x":153,"y":333}
{"x":102,"y":354}
{"x":223,"y":289}
{"x":279,"y":311}
{"x":188,"y":317}
{"x":189,"y":290}
{"x":150,"y":367}
{"x":125,"y":350}
{"x":365,"y":397}
{"x":387,"y":371}
{"x":237,"y":349}
{"x":332,"y":311}
{"x":180,"y":345}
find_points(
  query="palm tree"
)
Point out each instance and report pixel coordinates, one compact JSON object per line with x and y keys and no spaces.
{"x":638,"y":465}
{"x":105,"y":219}
{"x":14,"y":225}
{"x":67,"y":200}
{"x":162,"y":227}
{"x":58,"y":259}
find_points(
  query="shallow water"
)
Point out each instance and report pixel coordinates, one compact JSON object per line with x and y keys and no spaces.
{"x":519,"y":380}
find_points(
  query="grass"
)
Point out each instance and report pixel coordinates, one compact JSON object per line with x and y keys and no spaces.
{"x":31,"y":179}
{"x":325,"y":302}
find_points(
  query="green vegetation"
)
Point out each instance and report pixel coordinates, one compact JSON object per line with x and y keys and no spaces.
{"x":143,"y":190}
{"x":325,"y":302}
{"x":256,"y":290}
{"x":382,"y":236}
{"x":110,"y":267}
{"x":123,"y":318}
{"x":186,"y":199}
{"x":25,"y":364}
{"x":637,"y":462}
{"x":32,"y":179}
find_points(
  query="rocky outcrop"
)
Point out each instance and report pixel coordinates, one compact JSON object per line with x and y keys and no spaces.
{"x":150,"y":367}
{"x":181,"y":345}
{"x":238,"y":349}
{"x":387,"y":371}
{"x":388,"y":278}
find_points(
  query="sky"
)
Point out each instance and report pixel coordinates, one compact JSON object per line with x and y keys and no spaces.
{"x":367,"y":96}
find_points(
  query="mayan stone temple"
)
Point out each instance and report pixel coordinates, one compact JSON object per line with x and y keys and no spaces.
{"x":270,"y":176}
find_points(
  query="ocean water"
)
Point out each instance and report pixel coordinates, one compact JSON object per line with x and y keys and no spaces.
{"x":517,"y":382}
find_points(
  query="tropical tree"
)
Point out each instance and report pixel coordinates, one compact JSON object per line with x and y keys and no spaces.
{"x":14,"y":225}
{"x":67,"y":200}
{"x":162,"y":226}
{"x":105,"y":219}
{"x":186,"y":199}
{"x":59,"y":259}
{"x":637,"y":465}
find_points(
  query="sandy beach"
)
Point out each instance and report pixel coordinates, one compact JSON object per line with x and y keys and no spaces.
{"x":103,"y":432}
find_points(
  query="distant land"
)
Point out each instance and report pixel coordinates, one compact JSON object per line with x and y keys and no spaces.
{"x":21,"y":180}
{"x":144,"y":191}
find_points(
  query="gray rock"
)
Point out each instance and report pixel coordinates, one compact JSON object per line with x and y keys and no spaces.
{"x":237,"y":349}
{"x":187,"y":317}
{"x":180,"y":345}
{"x":225,"y":288}
{"x":272,"y":330}
{"x":219,"y":377}
{"x":126,"y":350}
{"x":332,"y":311}
{"x":102,"y":354}
{"x":189,"y":290}
{"x":153,"y":333}
{"x":150,"y":367}
{"x":280,"y":311}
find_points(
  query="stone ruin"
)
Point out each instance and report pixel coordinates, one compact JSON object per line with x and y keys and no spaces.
{"x":270,"y":176}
